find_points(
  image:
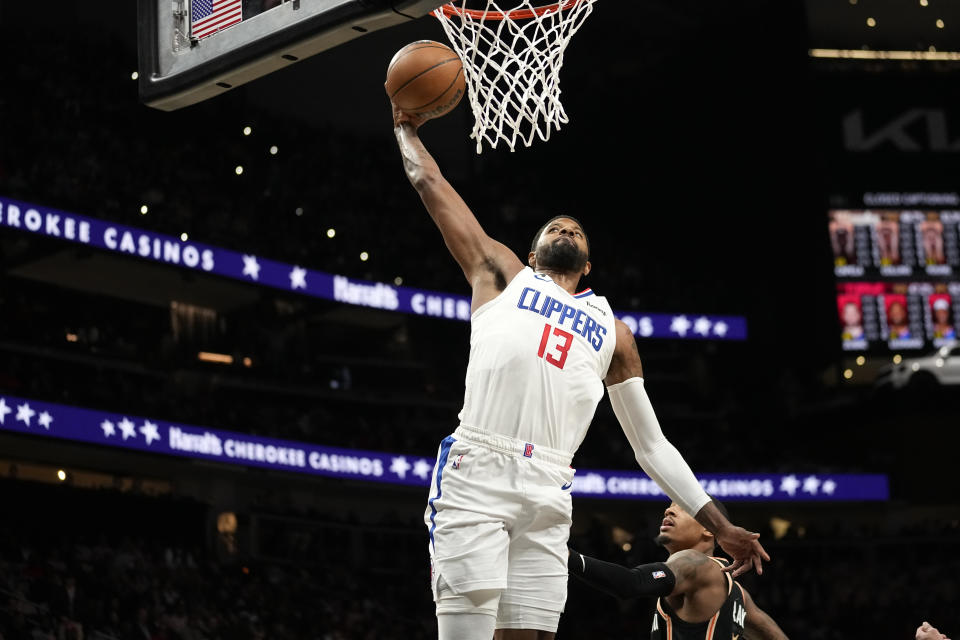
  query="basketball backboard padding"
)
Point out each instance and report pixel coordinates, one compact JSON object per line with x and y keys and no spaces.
{"x":170,"y":79}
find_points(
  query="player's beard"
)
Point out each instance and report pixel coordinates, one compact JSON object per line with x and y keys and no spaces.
{"x":561,"y":255}
{"x":662,"y":539}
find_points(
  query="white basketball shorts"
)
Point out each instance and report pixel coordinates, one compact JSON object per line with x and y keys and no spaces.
{"x":499,"y":515}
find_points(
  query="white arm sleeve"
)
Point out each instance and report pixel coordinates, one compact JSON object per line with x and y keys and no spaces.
{"x":657,"y":457}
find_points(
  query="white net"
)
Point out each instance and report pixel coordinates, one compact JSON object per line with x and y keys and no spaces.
{"x":512,"y":57}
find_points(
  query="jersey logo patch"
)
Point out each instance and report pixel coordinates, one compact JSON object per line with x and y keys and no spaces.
{"x":659,"y":574}
{"x":528,"y":450}
{"x":457,"y":461}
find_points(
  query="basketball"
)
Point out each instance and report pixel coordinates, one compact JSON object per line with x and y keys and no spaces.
{"x":425,"y":79}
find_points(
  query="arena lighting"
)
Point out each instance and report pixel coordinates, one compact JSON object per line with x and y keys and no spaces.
{"x":184,"y":237}
{"x":364,"y":256}
{"x":143,"y":209}
{"x":209,"y":356}
{"x":331,"y":232}
{"x":247,"y":131}
{"x":924,"y":3}
{"x":847,"y":374}
{"x":779,"y":526}
{"x":897,"y":358}
{"x":398,"y":281}
{"x":939,"y":23}
{"x":247,"y":362}
{"x":134,"y":75}
{"x":71,"y":337}
{"x":273,"y":150}
{"x":61,"y":475}
{"x":867,"y":54}
{"x":871,"y":22}
{"x":298,"y":211}
{"x":239,"y":170}
{"x":860,"y":361}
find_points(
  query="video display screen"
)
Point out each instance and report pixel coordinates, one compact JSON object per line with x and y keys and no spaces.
{"x":898,"y":277}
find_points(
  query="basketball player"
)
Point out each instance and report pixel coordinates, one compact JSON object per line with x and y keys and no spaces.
{"x":697,"y":598}
{"x":499,"y":510}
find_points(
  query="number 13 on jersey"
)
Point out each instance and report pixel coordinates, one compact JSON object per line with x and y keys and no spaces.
{"x":555,"y":351}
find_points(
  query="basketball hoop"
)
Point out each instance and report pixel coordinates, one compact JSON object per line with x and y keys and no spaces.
{"x":511,"y":60}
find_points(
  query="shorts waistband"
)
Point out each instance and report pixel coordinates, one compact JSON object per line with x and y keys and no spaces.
{"x":513,"y":446}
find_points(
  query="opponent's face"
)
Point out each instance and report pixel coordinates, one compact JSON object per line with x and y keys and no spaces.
{"x":679,"y":530}
{"x":563,"y":247}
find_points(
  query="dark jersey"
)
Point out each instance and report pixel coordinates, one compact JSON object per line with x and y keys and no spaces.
{"x":726,"y":624}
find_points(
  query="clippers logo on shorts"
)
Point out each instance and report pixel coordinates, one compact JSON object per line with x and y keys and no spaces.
{"x":457,"y":461}
{"x":659,"y":574}
{"x":527,"y":450}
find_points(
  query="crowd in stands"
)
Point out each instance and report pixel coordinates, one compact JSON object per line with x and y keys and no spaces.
{"x":111,"y":566}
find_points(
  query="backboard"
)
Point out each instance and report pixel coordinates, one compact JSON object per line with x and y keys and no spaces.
{"x":193,"y":50}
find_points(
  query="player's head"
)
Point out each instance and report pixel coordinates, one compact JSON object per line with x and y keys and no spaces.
{"x":897,"y":313}
{"x":562,"y":245}
{"x":680,"y":530}
{"x":851,"y":315}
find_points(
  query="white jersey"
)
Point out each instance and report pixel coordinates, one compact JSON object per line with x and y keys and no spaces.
{"x":538,"y":357}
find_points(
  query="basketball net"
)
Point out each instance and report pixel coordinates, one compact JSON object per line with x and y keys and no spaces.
{"x":511,"y":61}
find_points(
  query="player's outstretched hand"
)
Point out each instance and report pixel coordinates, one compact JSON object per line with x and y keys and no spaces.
{"x":400,"y":117}
{"x":928,"y":632}
{"x":745,"y":549}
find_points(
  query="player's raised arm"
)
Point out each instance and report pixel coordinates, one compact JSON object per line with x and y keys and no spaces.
{"x":661,"y":460}
{"x":487,"y":264}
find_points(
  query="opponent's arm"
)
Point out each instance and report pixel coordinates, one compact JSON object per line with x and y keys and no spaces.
{"x":661,"y":460}
{"x":683,"y":573}
{"x":759,"y":625}
{"x":484,"y":260}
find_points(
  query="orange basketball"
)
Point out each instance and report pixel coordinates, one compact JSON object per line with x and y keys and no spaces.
{"x":425,"y":79}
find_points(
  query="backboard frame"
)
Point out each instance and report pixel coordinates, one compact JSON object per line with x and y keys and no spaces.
{"x":261,"y":44}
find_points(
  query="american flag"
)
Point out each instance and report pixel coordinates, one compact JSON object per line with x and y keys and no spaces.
{"x":209,"y":16}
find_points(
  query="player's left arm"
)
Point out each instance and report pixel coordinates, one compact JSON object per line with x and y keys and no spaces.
{"x":759,"y":625}
{"x":684,"y":572}
{"x":661,"y":460}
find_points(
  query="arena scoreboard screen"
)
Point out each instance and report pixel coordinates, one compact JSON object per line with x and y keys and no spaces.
{"x":897,"y":266}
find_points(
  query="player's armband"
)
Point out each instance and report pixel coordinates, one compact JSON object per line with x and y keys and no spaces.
{"x":647,"y":580}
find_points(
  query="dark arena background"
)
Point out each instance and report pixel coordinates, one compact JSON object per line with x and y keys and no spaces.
{"x":231,"y":338}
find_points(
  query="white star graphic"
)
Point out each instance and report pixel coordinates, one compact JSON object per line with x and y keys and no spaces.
{"x":251,"y":267}
{"x":720,"y":328}
{"x":680,"y":325}
{"x":149,"y":431}
{"x":44,"y":420}
{"x":811,"y":484}
{"x":127,"y":428}
{"x":4,"y":410}
{"x":422,"y":468}
{"x":25,"y":413}
{"x":399,"y":466}
{"x":108,"y":429}
{"x":702,"y":326}
{"x":789,"y":484}
{"x":828,"y":487}
{"x":298,"y":278}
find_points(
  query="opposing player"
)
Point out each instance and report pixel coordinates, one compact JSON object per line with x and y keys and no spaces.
{"x":499,"y":510}
{"x":697,"y":598}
